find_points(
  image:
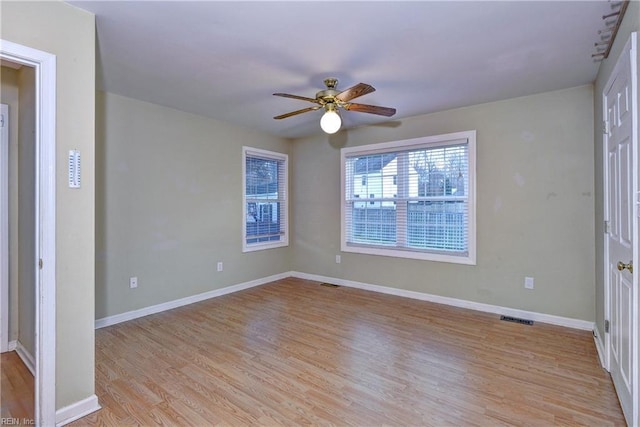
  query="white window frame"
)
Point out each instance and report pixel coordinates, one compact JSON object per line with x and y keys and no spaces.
{"x":283,"y":192}
{"x":409,"y":144}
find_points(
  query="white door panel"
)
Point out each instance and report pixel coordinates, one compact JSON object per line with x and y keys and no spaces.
{"x":619,"y":105}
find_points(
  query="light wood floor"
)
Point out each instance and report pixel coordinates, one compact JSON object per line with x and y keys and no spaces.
{"x":16,"y":389}
{"x":297,"y":353}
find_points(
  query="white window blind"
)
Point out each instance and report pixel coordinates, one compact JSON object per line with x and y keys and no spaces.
{"x":265,"y":204}
{"x":411,"y":198}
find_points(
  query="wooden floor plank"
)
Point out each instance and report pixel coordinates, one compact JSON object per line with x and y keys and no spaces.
{"x":297,"y":353}
{"x":16,"y":390}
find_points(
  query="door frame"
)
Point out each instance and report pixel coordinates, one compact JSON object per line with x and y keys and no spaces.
{"x":4,"y":229}
{"x":630,"y":49}
{"x":44,"y":64}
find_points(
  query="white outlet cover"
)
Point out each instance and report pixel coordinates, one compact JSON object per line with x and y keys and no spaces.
{"x":528,"y":282}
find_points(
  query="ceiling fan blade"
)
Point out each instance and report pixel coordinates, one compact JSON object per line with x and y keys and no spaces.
{"x":372,"y":109}
{"x":295,"y":113}
{"x":302,"y":98}
{"x":354,"y":92}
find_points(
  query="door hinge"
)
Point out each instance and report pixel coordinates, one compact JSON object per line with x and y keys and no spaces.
{"x":605,"y":127}
{"x":40,"y":263}
{"x":606,"y":326}
{"x":1,"y":120}
{"x":607,"y":227}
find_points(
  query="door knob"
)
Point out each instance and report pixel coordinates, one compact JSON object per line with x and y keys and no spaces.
{"x":622,"y":266}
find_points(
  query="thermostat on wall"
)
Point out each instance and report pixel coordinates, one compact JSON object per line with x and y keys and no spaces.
{"x":74,"y":169}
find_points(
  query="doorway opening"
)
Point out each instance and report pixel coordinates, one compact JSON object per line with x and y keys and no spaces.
{"x":17,"y":222}
{"x":44,"y":67}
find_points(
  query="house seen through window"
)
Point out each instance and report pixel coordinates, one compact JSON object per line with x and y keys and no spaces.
{"x":265,"y":199}
{"x":420,"y":198}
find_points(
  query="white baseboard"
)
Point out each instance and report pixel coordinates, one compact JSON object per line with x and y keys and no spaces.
{"x":599,"y":347}
{"x":77,"y":410}
{"x":488,"y":308}
{"x":472,"y":305}
{"x":27,"y":357}
{"x":12,"y":345}
{"x":130,"y":315}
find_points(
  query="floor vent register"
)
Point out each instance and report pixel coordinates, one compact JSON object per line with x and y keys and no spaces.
{"x":516,"y":320}
{"x":329,"y":285}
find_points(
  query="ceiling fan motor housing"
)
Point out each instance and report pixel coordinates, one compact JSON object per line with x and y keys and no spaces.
{"x":328,"y":95}
{"x":331,"y":82}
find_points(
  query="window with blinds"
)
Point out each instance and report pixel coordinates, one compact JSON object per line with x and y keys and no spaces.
{"x":411,"y":199}
{"x":265,"y":202}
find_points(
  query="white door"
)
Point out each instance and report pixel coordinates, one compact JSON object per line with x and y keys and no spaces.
{"x":620,"y":141}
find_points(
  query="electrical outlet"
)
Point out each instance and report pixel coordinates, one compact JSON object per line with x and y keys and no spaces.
{"x":338,"y":259}
{"x":220,"y":266}
{"x":528,"y":282}
{"x":133,"y":282}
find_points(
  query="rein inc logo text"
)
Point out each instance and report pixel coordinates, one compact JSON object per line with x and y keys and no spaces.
{"x":17,"y":422}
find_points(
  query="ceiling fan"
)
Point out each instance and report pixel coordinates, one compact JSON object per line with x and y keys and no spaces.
{"x":332,"y":100}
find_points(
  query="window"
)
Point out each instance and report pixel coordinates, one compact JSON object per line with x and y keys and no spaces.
{"x":265,"y":206}
{"x":421,"y":195}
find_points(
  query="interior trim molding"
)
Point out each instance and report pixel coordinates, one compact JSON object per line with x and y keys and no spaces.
{"x":77,"y":410}
{"x":26,"y":357}
{"x":599,"y":347}
{"x":12,"y":345}
{"x":4,"y":228}
{"x":135,"y":314}
{"x":455,"y":302}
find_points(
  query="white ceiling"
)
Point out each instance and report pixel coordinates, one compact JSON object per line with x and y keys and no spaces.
{"x":225,"y":59}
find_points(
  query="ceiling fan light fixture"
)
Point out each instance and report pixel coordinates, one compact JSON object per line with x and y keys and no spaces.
{"x":331,"y":100}
{"x":330,"y":121}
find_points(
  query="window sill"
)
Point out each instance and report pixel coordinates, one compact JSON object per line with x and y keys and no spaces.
{"x":262,"y":246}
{"x":422,"y":256}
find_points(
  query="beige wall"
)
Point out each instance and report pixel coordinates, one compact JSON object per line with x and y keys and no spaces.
{"x":534,"y":206}
{"x":169,"y":205}
{"x":9,"y":94}
{"x":630,"y":23}
{"x":68,"y":33}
